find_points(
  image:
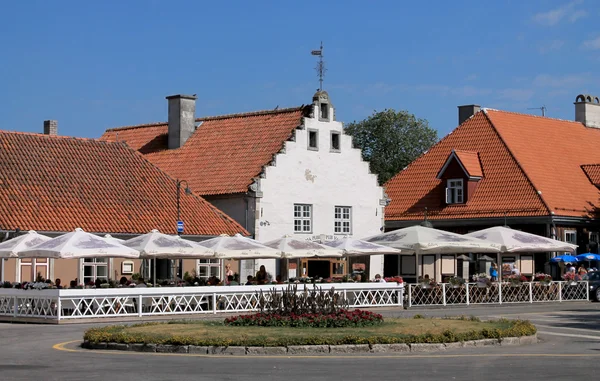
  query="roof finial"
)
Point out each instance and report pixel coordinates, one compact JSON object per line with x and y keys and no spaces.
{"x":425,"y":222}
{"x":320,"y":65}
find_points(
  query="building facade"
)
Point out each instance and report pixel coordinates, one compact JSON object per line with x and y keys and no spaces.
{"x":536,"y":174}
{"x":279,"y":172}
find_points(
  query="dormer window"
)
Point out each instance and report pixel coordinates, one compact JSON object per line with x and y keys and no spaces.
{"x":335,"y":141}
{"x":324,"y":111}
{"x":455,"y":191}
{"x":313,"y":140}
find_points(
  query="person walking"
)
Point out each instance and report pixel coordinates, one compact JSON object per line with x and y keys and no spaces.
{"x":494,"y":272}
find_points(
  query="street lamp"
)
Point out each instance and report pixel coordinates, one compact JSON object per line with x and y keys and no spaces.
{"x":187,"y":191}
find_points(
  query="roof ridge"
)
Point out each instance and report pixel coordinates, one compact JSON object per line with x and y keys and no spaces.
{"x":216,"y":117}
{"x":510,"y":152}
{"x":486,"y":109}
{"x":47,"y":136}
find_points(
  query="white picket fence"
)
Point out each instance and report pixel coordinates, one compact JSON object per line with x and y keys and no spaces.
{"x":497,"y":293}
{"x":80,"y":304}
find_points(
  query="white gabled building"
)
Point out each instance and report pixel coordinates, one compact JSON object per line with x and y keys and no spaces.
{"x":279,"y":172}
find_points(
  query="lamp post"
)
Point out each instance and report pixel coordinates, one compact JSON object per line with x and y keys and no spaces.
{"x":187,"y":191}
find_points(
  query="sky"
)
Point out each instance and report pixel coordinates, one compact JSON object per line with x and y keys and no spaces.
{"x":103,"y":64}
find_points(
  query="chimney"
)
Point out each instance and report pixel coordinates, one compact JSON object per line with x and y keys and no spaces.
{"x":182,"y":115}
{"x":587,"y":110}
{"x":50,"y":127}
{"x":467,"y":111}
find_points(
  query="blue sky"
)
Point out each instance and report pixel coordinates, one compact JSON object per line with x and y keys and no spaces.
{"x":96,"y":65}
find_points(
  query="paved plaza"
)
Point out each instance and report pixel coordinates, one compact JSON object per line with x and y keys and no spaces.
{"x":569,"y":333}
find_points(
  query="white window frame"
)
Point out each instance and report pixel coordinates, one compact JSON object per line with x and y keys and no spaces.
{"x":94,"y":264}
{"x":303,"y":218}
{"x":212,"y":267}
{"x":339,"y":137}
{"x":573,"y":232}
{"x":453,"y":196}
{"x":342,"y":219}
{"x":316,"y":132}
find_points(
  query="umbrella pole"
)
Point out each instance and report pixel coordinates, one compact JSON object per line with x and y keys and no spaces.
{"x":154,"y":271}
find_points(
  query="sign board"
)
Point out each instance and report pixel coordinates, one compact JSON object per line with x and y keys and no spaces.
{"x":358,"y":266}
{"x":179,"y":226}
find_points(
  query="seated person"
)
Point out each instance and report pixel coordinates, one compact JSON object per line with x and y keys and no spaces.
{"x":250,"y":280}
{"x":141,"y":282}
{"x":231,"y":281}
{"x":73,"y":284}
{"x":57,"y":283}
{"x":123,"y":282}
{"x":278,"y":279}
{"x":379,"y":279}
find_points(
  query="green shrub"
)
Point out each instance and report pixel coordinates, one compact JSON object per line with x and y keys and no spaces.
{"x":342,"y":318}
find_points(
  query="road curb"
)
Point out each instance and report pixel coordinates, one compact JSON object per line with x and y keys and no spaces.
{"x":312,"y":350}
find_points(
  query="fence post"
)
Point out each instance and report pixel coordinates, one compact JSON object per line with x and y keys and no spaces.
{"x":140,"y":305}
{"x":16,"y":306}
{"x":401,"y":296}
{"x":214,"y":303}
{"x":530,"y":292}
{"x":59,"y":307}
{"x":410,"y":295}
{"x":560,"y":291}
{"x":468,"y":297}
{"x":587,"y":289}
{"x":499,"y":292}
{"x":444,"y":293}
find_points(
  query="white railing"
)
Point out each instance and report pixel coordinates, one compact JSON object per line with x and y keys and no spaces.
{"x":163,"y":301}
{"x":445,"y":294}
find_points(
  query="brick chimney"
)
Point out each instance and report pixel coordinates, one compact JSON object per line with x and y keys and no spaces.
{"x":50,"y":127}
{"x":182,"y":115}
{"x":587,"y":110}
{"x":467,"y":111}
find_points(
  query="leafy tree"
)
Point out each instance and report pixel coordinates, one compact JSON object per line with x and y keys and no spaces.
{"x":391,"y":140}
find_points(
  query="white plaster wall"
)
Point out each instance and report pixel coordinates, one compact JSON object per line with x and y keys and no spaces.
{"x":324,"y":179}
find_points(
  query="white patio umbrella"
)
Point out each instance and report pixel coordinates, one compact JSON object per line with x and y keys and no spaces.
{"x":12,"y":247}
{"x":78,"y":244}
{"x":289,"y":248}
{"x":511,"y":240}
{"x":355,"y":247}
{"x":423,"y":240}
{"x":110,"y":238}
{"x":238,"y":247}
{"x":155,"y":245}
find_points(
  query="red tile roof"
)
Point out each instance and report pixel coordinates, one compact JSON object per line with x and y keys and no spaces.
{"x":593,"y":173}
{"x":470,"y":162}
{"x":223,"y":155}
{"x":504,"y":189}
{"x":54,"y":183}
{"x":533,"y":166}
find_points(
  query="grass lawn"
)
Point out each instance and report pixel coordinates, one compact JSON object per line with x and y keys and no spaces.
{"x":391,"y":331}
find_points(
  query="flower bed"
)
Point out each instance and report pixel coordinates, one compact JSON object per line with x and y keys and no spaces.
{"x":343,"y":318}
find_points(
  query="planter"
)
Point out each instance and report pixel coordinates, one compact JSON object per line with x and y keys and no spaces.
{"x":426,"y":286}
{"x":572,"y":283}
{"x":515,"y":284}
{"x":456,"y":285}
{"x":545,"y":284}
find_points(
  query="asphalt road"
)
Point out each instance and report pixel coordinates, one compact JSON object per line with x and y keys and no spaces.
{"x":570,"y":347}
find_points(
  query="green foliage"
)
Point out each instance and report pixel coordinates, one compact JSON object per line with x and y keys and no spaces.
{"x":391,"y":140}
{"x":135,"y":276}
{"x":418,"y":316}
{"x":118,"y":334}
{"x":289,"y":301}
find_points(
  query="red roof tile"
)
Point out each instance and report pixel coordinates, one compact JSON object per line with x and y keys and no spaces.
{"x":470,"y":161}
{"x":593,"y":173}
{"x":504,"y":189}
{"x":551,"y":152}
{"x":54,"y":183}
{"x":223,"y":155}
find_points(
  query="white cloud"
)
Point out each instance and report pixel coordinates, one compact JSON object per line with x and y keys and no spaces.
{"x":551,"y":46}
{"x":593,"y":44}
{"x":567,"y":12}
{"x":565,"y":81}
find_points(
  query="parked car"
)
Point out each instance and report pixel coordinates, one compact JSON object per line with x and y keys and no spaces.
{"x":593,"y":277}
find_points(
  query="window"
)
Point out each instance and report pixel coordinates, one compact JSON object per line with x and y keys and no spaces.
{"x":313,"y":140}
{"x":302,"y":218}
{"x":454,"y":192}
{"x":127,"y":267}
{"x":571,"y":236}
{"x":95,"y":268}
{"x":335,"y":141}
{"x":342,"y":220}
{"x":208,"y":268}
{"x":324,"y":111}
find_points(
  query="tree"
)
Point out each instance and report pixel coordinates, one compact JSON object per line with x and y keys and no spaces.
{"x":391,"y":140}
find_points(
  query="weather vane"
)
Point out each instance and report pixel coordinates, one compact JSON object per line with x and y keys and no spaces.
{"x":320,"y":65}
